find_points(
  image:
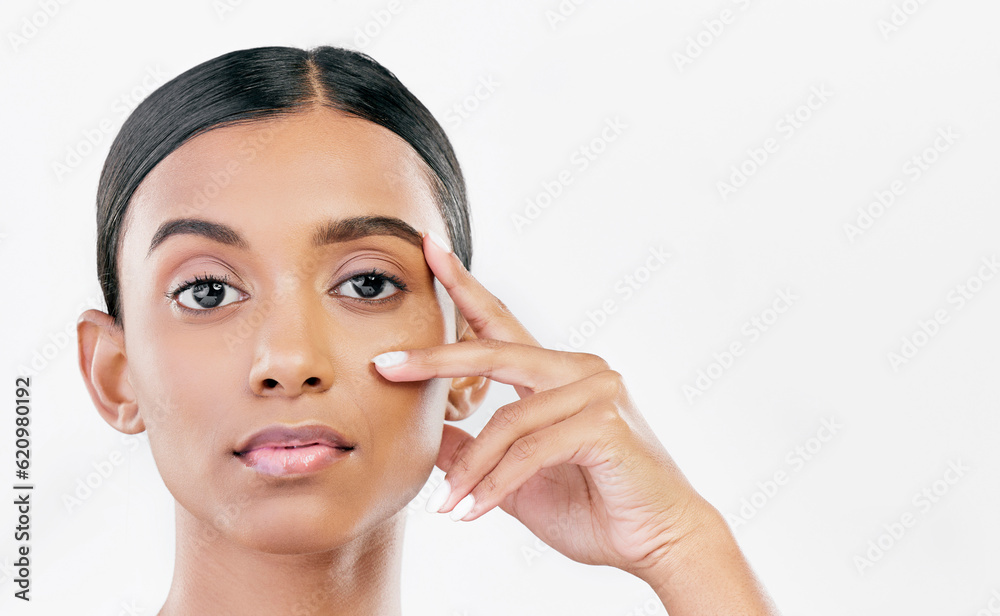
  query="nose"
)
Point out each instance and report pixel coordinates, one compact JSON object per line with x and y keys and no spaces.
{"x":292,"y":355}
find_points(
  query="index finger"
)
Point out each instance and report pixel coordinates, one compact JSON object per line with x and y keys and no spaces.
{"x":486,"y":314}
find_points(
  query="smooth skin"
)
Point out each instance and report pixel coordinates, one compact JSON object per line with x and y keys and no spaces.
{"x":575,"y":449}
{"x":291,"y":344}
{"x":573,"y":459}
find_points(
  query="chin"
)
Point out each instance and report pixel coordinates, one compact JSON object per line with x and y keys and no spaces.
{"x":302,"y":524}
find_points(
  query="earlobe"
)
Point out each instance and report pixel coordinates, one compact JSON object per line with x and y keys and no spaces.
{"x":104,"y":366}
{"x":467,"y":392}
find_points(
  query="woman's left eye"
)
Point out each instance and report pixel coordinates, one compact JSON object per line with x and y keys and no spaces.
{"x":373,"y":287}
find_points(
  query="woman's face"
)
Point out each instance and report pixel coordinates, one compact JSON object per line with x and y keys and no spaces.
{"x":288,"y":337}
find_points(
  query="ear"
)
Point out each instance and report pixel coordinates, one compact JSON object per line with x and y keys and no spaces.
{"x":101,"y":350}
{"x":467,"y":392}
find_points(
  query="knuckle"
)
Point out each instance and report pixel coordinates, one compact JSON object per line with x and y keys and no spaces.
{"x":597,"y":362}
{"x":426,"y":356}
{"x":492,"y":344}
{"x":524,"y":447}
{"x":500,"y":308}
{"x":460,"y":458}
{"x":607,"y":417}
{"x":592,"y":363}
{"x":612,"y":382}
{"x":488,"y":363}
{"x":487,"y":368}
{"x":509,"y":415}
{"x":489,"y":483}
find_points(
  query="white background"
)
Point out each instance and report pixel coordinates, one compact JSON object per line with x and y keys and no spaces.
{"x":688,"y":121}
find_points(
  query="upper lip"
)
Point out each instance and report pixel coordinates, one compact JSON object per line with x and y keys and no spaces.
{"x":283,"y":435}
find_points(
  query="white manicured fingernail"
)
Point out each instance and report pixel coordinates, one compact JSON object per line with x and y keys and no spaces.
{"x":463,"y":507}
{"x":437,"y":239}
{"x":437,"y":498}
{"x":392,"y":358}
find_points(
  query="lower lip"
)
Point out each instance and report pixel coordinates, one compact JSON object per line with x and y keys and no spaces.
{"x":280,"y":461}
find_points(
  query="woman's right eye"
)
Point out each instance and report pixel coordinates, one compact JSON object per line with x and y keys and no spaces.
{"x":206,"y":294}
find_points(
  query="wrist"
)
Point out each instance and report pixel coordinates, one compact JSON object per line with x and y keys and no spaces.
{"x":703,"y":571}
{"x":699,"y":529}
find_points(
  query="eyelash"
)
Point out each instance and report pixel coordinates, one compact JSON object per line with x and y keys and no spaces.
{"x":399,"y":284}
{"x":209,"y":278}
{"x":187,"y":284}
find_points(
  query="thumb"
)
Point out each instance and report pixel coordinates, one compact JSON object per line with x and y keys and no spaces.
{"x":452,"y":441}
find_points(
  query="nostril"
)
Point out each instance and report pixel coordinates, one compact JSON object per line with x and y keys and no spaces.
{"x":313,"y":381}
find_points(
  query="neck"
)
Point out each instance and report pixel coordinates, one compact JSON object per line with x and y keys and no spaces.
{"x":219,"y":576}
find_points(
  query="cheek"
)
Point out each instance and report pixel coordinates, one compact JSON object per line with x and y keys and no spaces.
{"x":184,"y":397}
{"x":404,"y":419}
{"x":179,"y":379}
{"x":406,"y":437}
{"x":427,"y":320}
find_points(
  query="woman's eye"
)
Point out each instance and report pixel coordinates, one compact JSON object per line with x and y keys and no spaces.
{"x":370,"y":286}
{"x":207,"y":295}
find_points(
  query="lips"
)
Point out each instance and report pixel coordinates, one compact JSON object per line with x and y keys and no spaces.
{"x":285,"y":450}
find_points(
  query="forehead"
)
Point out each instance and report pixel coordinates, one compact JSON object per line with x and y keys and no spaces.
{"x":283,"y":175}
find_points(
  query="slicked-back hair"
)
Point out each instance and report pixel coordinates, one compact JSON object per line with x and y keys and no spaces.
{"x":257,"y":84}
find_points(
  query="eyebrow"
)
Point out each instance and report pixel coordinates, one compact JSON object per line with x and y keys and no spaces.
{"x":329,"y":232}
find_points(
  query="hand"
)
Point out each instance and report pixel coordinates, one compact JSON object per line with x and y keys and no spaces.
{"x":573,"y":459}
